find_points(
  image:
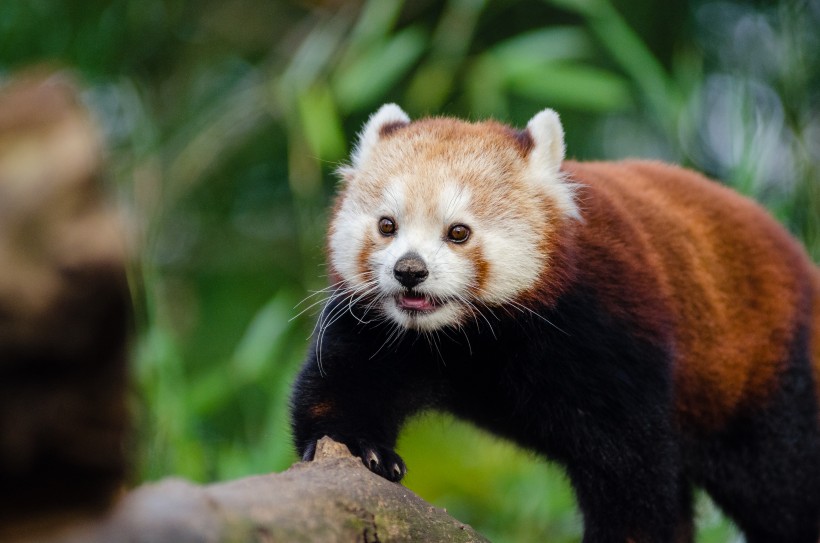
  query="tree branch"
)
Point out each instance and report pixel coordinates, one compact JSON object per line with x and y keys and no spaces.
{"x":332,"y":499}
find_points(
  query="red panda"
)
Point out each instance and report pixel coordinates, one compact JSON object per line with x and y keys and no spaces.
{"x":644,"y":327}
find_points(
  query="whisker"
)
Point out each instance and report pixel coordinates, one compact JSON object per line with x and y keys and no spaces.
{"x":523,"y":308}
{"x":433,"y":340}
{"x":467,"y":338}
{"x":331,"y":314}
{"x":317,"y":292}
{"x":395,"y":332}
{"x":480,"y":313}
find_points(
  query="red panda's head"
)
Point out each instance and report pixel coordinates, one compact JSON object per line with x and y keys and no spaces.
{"x":440,"y":220}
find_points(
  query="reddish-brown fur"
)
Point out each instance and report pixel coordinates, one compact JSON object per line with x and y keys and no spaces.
{"x":728,"y":282}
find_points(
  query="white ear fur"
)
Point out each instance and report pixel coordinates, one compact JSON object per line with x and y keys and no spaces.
{"x":545,"y":159}
{"x":386,"y":115}
{"x":548,"y":137}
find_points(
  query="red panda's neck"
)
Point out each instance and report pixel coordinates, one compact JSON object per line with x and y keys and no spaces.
{"x":560,"y":270}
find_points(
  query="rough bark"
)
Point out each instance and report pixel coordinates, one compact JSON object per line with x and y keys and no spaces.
{"x":332,"y":499}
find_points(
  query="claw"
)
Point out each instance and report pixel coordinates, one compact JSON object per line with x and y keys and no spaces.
{"x":310,"y":452}
{"x":372,"y":460}
{"x":397,"y":472}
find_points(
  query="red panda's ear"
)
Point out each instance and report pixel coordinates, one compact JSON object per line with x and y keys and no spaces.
{"x":545,"y":160}
{"x":389,"y":117}
{"x":548,"y":136}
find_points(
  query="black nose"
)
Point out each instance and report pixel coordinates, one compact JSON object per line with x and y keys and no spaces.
{"x":410,"y":270}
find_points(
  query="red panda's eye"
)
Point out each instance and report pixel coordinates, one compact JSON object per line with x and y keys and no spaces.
{"x":458,"y":233}
{"x":387,"y":227}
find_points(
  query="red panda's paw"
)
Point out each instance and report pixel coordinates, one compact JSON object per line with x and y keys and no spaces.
{"x":380,"y":460}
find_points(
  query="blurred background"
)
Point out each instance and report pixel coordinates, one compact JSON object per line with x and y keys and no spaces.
{"x":226,"y":119}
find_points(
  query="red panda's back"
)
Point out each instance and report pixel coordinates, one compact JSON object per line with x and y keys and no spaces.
{"x":738,"y":286}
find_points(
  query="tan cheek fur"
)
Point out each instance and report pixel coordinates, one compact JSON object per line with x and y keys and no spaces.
{"x":481,"y":269}
{"x":363,"y":260}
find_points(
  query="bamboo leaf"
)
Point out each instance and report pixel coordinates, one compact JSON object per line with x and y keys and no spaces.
{"x":321,"y":123}
{"x":633,"y":55}
{"x":572,"y":85}
{"x":367,"y":79}
{"x":545,"y":44}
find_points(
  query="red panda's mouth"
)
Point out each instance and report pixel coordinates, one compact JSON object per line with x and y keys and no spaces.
{"x":413,"y":301}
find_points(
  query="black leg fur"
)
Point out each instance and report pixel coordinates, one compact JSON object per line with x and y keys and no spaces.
{"x":355,"y":398}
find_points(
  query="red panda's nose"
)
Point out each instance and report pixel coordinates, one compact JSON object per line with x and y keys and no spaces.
{"x":410,"y":270}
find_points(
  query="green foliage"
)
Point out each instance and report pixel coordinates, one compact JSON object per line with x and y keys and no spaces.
{"x":226,"y":119}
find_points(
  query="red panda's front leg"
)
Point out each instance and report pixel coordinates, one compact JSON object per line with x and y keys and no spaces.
{"x":347,"y":413}
{"x":355,"y":399}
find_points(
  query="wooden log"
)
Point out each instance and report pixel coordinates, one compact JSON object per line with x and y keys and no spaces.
{"x":332,"y":499}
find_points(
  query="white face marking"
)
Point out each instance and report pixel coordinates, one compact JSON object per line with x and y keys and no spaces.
{"x":512,"y":244}
{"x":348,"y":233}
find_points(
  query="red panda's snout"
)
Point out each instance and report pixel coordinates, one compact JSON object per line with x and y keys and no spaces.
{"x":421,"y":280}
{"x":410,"y":270}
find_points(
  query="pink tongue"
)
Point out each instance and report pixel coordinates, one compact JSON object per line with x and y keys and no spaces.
{"x":415,"y":302}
